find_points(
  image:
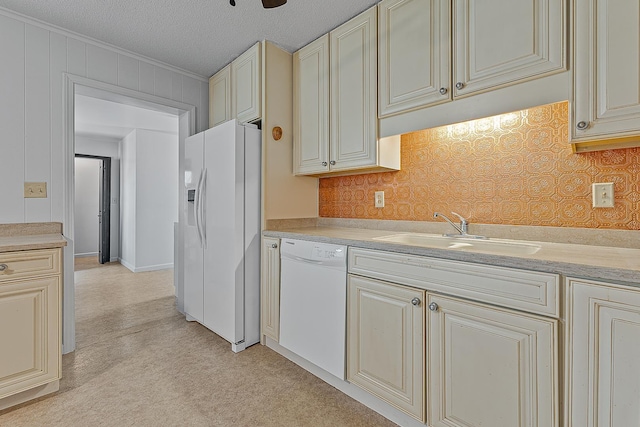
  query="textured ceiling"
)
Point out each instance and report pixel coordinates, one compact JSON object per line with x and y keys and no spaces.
{"x":200,"y":36}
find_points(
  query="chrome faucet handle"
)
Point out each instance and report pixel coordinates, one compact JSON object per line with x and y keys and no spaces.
{"x":464,"y":224}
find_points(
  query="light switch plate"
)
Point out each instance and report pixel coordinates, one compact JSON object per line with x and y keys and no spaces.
{"x":602,"y":195}
{"x":35,"y":190}
{"x":379,"y":199}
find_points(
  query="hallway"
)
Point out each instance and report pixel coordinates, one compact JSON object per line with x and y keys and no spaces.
{"x":139,"y":363}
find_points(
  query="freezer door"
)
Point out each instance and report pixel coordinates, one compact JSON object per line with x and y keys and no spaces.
{"x":193,"y":249}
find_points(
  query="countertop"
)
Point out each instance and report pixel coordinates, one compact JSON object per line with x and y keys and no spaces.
{"x":24,"y":237}
{"x":611,"y":264}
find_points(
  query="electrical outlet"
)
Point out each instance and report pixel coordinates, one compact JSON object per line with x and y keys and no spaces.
{"x":602,"y":195}
{"x":379,"y":199}
{"x":35,"y":190}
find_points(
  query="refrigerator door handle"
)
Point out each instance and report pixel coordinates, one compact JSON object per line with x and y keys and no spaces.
{"x":203,"y":201}
{"x":196,"y":212}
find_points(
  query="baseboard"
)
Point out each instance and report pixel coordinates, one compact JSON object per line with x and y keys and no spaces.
{"x":86,"y":255}
{"x":30,"y":394}
{"x":135,"y":269}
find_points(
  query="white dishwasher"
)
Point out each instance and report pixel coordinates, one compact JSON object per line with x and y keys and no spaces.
{"x":313,"y":301}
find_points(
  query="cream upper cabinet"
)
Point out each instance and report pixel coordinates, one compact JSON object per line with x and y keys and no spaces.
{"x":30,"y":324}
{"x":246,"y":78}
{"x":414,"y":46}
{"x":490,"y":367}
{"x":335,"y":97}
{"x":606,"y":73}
{"x":385,"y":342}
{"x":354,"y":83}
{"x":603,"y":350}
{"x":220,"y":97}
{"x":311,"y":107}
{"x":501,"y":42}
{"x":270,"y":287}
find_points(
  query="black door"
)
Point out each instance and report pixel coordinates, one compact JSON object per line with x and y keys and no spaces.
{"x":104,"y":214}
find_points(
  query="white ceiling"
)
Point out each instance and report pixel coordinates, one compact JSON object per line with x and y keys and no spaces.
{"x":200,"y":36}
{"x":108,"y":120}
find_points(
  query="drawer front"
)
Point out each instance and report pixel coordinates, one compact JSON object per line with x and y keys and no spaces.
{"x":518,"y":289}
{"x":29,"y":263}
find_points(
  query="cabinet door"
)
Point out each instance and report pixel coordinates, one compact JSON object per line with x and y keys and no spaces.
{"x":490,"y":367}
{"x":603,"y":350}
{"x":414,"y":50}
{"x":311,"y":108}
{"x":353,"y":93}
{"x":246,"y":84}
{"x":30,"y":322}
{"x":385,"y":342}
{"x":502,"y":42}
{"x":270,"y":287}
{"x":220,"y":97}
{"x":606,"y":85}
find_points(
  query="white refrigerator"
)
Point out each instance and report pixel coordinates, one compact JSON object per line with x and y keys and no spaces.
{"x":222,"y":232}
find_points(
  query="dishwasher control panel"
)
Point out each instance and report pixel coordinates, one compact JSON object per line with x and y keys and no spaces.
{"x":313,"y":252}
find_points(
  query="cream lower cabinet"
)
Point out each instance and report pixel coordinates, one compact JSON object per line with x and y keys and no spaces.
{"x":270,"y":288}
{"x":386,"y":343}
{"x":603,"y":354}
{"x":490,"y":367}
{"x":30,"y":324}
{"x":606,"y":74}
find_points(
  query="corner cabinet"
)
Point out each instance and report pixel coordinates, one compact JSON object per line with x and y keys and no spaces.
{"x":603,"y":350}
{"x":220,"y":97}
{"x":490,"y":367}
{"x":386,"y":342}
{"x":605,"y":101}
{"x":30,"y":324}
{"x":270,"y":288}
{"x":335,"y":99}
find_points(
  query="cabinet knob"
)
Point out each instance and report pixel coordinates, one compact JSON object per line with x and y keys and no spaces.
{"x":3,"y":267}
{"x":274,"y":246}
{"x":582,"y":125}
{"x":324,"y":163}
{"x":332,"y":162}
{"x":415,"y":301}
{"x":459,"y":85}
{"x":433,"y":306}
{"x":443,"y":91}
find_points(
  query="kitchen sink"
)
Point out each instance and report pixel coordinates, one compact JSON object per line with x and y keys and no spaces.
{"x":499,"y":246}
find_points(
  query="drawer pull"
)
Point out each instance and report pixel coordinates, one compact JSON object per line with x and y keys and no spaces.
{"x":3,"y":267}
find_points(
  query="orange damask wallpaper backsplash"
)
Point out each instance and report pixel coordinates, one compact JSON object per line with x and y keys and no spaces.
{"x":515,"y":169}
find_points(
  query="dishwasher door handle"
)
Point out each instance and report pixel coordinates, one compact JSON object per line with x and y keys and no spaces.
{"x":297,"y":258}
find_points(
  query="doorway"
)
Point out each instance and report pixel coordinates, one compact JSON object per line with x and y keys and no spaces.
{"x":75,"y":85}
{"x":103,"y":206}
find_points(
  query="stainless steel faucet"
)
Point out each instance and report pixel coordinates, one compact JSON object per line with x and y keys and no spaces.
{"x":461,"y":229}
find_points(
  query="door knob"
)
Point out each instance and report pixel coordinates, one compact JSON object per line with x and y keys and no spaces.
{"x":324,"y":163}
{"x":443,"y":91}
{"x":3,"y":267}
{"x":459,"y":85}
{"x":433,"y":306}
{"x":415,"y":301}
{"x":274,"y":246}
{"x":332,"y":162}
{"x":582,"y":125}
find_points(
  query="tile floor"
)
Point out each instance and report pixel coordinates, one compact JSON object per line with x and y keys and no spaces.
{"x":139,"y":363}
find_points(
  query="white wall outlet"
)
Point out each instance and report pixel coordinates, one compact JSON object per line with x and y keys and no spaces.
{"x":379,"y":199}
{"x":602,"y":195}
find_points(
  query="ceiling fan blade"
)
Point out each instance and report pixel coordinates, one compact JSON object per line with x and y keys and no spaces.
{"x":267,"y":4}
